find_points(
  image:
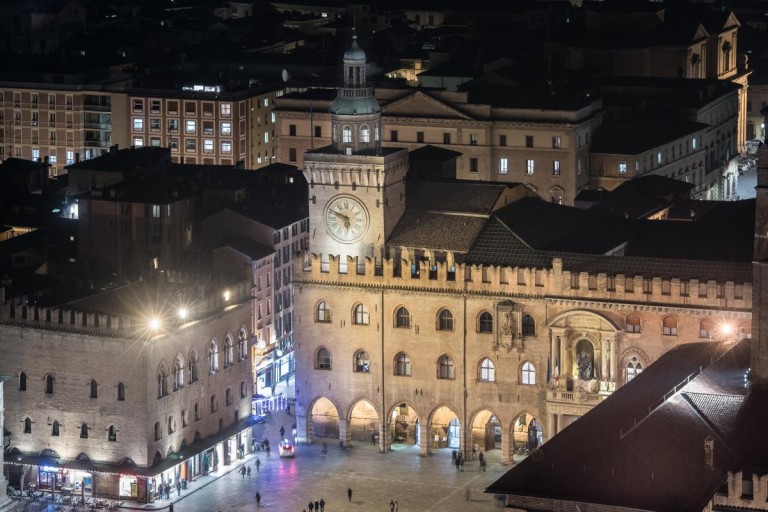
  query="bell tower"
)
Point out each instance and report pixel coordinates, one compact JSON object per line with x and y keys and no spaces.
{"x":356,"y":187}
{"x":759,"y":366}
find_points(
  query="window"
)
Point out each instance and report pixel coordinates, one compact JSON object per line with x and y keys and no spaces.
{"x":365,"y":134}
{"x":446,"y":368}
{"x":192,"y":366}
{"x":658,"y":157}
{"x":242,"y":346}
{"x":503,"y":166}
{"x":112,"y":433}
{"x":485,"y":324}
{"x":154,"y":125}
{"x":243,"y":390}
{"x":402,"y":365}
{"x":473,"y":139}
{"x":198,"y":412}
{"x":22,"y":381}
{"x":207,"y":127}
{"x":158,"y":431}
{"x":446,"y":138}
{"x":190,"y":127}
{"x":706,"y":329}
{"x":213,"y":404}
{"x":487,"y":371}
{"x":420,"y":137}
{"x":633,"y":323}
{"x":207,"y":146}
{"x":120,"y":392}
{"x":138,"y":124}
{"x":669,"y":326}
{"x":94,"y":389}
{"x":84,"y":431}
{"x":634,"y":367}
{"x":361,"y":315}
{"x":473,"y":164}
{"x":694,"y":143}
{"x":323,"y":360}
{"x":27,"y":426}
{"x":528,"y":374}
{"x":292,"y":130}
{"x":190,"y":144}
{"x":529,"y":326}
{"x":529,"y":141}
{"x":49,"y":384}
{"x":362,"y":362}
{"x":444,"y":320}
{"x":225,"y":109}
{"x":213,"y":357}
{"x":226,"y":148}
{"x":393,"y":135}
{"x":55,"y":429}
{"x":318,"y":131}
{"x":228,"y":397}
{"x":173,"y":125}
{"x":189,"y":108}
{"x":138,"y":142}
{"x":162,"y":382}
{"x":155,"y":211}
{"x":226,"y":129}
{"x":178,"y":374}
{"x":529,"y":167}
{"x":154,"y":106}
{"x":502,"y":140}
{"x":291,"y":154}
{"x":154,"y":142}
{"x":622,"y":167}
{"x":402,"y":318}
{"x":556,"y":168}
{"x":556,"y":142}
{"x":138,"y":105}
{"x":323,"y":312}
{"x":229,"y":352}
{"x":346,"y":134}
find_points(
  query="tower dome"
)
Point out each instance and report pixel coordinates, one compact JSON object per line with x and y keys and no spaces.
{"x":354,"y":52}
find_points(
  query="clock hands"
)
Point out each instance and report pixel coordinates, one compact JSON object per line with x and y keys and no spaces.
{"x":347,"y":223}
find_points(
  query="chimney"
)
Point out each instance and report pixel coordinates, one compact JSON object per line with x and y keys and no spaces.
{"x":113,"y":149}
{"x":709,"y":452}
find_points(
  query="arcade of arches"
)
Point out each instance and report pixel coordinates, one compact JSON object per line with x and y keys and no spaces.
{"x":438,"y":429}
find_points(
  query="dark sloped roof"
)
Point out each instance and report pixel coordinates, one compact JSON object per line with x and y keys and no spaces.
{"x":470,"y":197}
{"x":271,"y":215}
{"x":625,"y":457}
{"x":418,"y":228}
{"x":249,"y":247}
{"x":634,"y":135}
{"x":125,"y":160}
{"x":430,"y":153}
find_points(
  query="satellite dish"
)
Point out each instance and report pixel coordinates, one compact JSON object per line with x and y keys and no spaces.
{"x":286,"y":75}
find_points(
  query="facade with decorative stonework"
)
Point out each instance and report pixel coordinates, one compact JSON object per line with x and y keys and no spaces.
{"x":515,"y":353}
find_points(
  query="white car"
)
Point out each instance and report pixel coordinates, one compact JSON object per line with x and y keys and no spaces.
{"x":286,"y":449}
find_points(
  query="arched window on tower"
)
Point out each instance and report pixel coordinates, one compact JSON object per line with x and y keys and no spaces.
{"x":446,"y":368}
{"x":346,"y":134}
{"x":487,"y":371}
{"x":365,"y":134}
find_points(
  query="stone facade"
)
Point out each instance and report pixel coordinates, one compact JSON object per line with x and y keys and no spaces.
{"x":531,"y":325}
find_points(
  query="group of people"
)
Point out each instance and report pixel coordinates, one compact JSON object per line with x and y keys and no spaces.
{"x":316,"y":506}
{"x":457,"y":458}
{"x":393,"y":506}
{"x":164,"y":490}
{"x":245,"y":471}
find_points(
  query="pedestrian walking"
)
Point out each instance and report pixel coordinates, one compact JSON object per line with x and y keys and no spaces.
{"x":242,"y":471}
{"x":322,"y":505}
{"x":311,"y":506}
{"x":317,"y":505}
{"x":481,"y":457}
{"x":258,"y":464}
{"x":341,"y":445}
{"x":288,"y":408}
{"x":373,"y":439}
{"x":258,"y":499}
{"x":282,"y":431}
{"x":170,"y":507}
{"x":482,"y":465}
{"x":178,"y":487}
{"x":474,"y":451}
{"x":248,"y":472}
{"x":349,"y":494}
{"x":457,"y":463}
{"x":468,"y":496}
{"x":397,"y":506}
{"x":461,"y":463}
{"x":391,"y":505}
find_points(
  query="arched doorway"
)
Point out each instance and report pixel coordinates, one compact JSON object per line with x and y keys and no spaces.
{"x":445,"y":429}
{"x":363,"y":422}
{"x":528,"y":434}
{"x":324,"y":419}
{"x":404,"y":425}
{"x":486,"y":432}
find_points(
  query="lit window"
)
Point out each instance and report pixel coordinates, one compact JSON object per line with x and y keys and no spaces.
{"x":70,"y":157}
{"x":226,"y":128}
{"x":362,"y":362}
{"x":207,"y":146}
{"x":402,"y":364}
{"x":226,"y":148}
{"x":138,"y":124}
{"x":52,"y":157}
{"x":266,"y":138}
{"x":556,"y":168}
{"x":529,"y":167}
{"x":266,"y":102}
{"x":226,"y":110}
{"x":361,"y":315}
{"x":445,"y":320}
{"x":556,"y":142}
{"x":155,"y":211}
{"x":323,"y":312}
{"x":445,"y":368}
{"x":346,"y":136}
{"x":622,"y":167}
{"x":634,"y":367}
{"x":658,"y":157}
{"x":190,"y":144}
{"x":487,"y":371}
{"x":365,"y":135}
{"x":35,"y":153}
{"x":138,"y":141}
{"x":323,"y":359}
{"x":502,"y":166}
{"x":528,"y":374}
{"x":190,"y":126}
{"x":694,"y":143}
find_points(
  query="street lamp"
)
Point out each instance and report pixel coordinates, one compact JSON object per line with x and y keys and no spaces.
{"x":154,"y":323}
{"x":183,"y":313}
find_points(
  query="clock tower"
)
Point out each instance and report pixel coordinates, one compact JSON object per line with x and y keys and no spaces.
{"x":356,"y":187}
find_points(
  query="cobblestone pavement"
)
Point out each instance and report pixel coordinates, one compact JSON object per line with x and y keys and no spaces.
{"x":419,"y":484}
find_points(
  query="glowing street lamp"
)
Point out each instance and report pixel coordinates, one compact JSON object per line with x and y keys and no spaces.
{"x":154,"y":323}
{"x":183,"y":313}
{"x":226,"y":295}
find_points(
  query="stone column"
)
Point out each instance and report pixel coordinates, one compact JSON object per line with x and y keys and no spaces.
{"x":345,"y":432}
{"x":506,"y":449}
{"x":385,"y":443}
{"x":552,"y":355}
{"x":612,"y":359}
{"x":550,"y":426}
{"x":424,"y":440}
{"x":303,"y":426}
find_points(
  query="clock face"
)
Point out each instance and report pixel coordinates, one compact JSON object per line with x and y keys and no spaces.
{"x":346,"y":219}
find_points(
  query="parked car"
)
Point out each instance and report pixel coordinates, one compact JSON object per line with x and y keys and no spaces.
{"x":753,"y":145}
{"x":286,"y":449}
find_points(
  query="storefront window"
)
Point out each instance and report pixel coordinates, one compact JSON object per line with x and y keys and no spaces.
{"x":129,"y":486}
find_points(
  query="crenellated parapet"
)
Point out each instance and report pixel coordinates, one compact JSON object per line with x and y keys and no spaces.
{"x":90,"y":316}
{"x":549,"y":283}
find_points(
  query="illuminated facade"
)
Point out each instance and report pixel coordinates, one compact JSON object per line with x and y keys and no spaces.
{"x":162,"y":398}
{"x":440,"y":323}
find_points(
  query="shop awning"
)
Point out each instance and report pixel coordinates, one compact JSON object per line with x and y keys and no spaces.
{"x":155,"y":469}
